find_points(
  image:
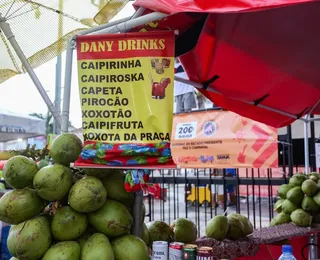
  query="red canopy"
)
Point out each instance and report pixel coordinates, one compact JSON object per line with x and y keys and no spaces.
{"x":270,"y":57}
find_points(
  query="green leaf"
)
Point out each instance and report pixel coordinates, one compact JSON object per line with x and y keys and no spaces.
{"x":128,"y":152}
{"x":163,"y":159}
{"x":142,"y":161}
{"x":99,"y":161}
{"x":88,"y":146}
{"x":98,"y":145}
{"x":101,"y":153}
{"x":160,"y":145}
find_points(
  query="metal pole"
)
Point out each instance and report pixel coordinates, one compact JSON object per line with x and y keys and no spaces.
{"x":312,"y":147}
{"x":5,"y":28}
{"x":67,"y":87}
{"x":290,"y":150}
{"x":136,"y":212}
{"x":313,"y":248}
{"x":200,"y":86}
{"x":57,"y":100}
{"x":101,"y":27}
{"x":125,"y":26}
{"x":306,"y":145}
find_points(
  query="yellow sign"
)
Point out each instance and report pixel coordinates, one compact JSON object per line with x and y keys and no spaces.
{"x":126,"y":93}
{"x":126,"y":87}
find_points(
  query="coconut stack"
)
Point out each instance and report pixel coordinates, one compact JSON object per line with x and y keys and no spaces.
{"x":56,"y":212}
{"x":299,"y":201}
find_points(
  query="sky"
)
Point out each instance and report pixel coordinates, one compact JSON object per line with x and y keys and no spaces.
{"x":19,"y":94}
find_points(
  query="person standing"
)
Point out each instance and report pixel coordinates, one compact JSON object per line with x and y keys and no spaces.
{"x":183,"y":93}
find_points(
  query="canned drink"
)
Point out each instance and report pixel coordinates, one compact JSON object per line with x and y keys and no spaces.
{"x":190,"y":252}
{"x":160,"y":250}
{"x":205,"y":253}
{"x":176,"y":251}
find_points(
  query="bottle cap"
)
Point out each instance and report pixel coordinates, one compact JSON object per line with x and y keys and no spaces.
{"x":286,"y":249}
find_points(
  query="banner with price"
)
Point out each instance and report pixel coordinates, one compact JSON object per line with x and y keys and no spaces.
{"x":126,"y":94}
{"x":222,"y":139}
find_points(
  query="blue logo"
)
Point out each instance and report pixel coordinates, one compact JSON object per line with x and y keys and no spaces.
{"x":209,"y":128}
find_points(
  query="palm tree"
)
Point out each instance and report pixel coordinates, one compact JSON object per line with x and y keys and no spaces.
{"x":49,"y":121}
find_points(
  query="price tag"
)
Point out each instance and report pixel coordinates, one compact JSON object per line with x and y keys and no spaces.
{"x":186,"y":130}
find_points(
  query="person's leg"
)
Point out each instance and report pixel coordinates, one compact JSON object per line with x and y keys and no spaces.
{"x":213,"y":196}
{"x":232,"y":196}
{"x":220,"y":196}
{"x":201,"y":101}
{"x":189,"y":101}
{"x":179,"y":104}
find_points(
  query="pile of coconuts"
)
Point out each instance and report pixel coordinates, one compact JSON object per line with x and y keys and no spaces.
{"x":299,"y":201}
{"x":56,"y":212}
{"x":233,"y":227}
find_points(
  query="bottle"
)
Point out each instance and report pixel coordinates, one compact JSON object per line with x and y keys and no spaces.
{"x":287,"y":253}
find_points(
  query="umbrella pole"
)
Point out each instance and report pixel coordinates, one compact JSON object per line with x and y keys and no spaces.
{"x":5,"y":28}
{"x":67,"y":87}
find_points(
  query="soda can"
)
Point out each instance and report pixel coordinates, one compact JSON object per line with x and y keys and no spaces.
{"x":190,"y":252}
{"x":176,"y":251}
{"x":205,"y":253}
{"x":160,"y":250}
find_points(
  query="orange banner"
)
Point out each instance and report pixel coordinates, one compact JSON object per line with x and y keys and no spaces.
{"x":222,"y":139}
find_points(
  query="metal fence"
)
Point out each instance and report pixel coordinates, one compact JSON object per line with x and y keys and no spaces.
{"x":194,"y":194}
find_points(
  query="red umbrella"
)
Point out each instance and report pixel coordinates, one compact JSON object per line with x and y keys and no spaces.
{"x":251,"y":55}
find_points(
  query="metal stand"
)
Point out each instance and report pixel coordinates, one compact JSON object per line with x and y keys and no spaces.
{"x":5,"y":28}
{"x":137,"y":210}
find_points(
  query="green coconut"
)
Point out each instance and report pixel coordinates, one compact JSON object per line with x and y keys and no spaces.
{"x":66,"y":149}
{"x":130,"y":247}
{"x":145,"y":234}
{"x":18,"y":172}
{"x":101,"y":173}
{"x":114,"y":185}
{"x":97,"y":247}
{"x":314,"y":176}
{"x":217,"y":228}
{"x":68,"y":224}
{"x":112,"y":219}
{"x":17,"y":206}
{"x":159,"y":231}
{"x":53,"y":182}
{"x":283,"y":189}
{"x":316,"y":198}
{"x":278,"y":206}
{"x":184,"y":230}
{"x":309,"y":205}
{"x":86,"y":235}
{"x":236,"y":228}
{"x":288,"y":206}
{"x":87,"y":195}
{"x":295,"y":195}
{"x":309,"y":187}
{"x":273,"y":222}
{"x":29,"y":240}
{"x":301,"y":218}
{"x":297,"y":179}
{"x":281,"y":218}
{"x":69,"y":250}
{"x":247,"y":225}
